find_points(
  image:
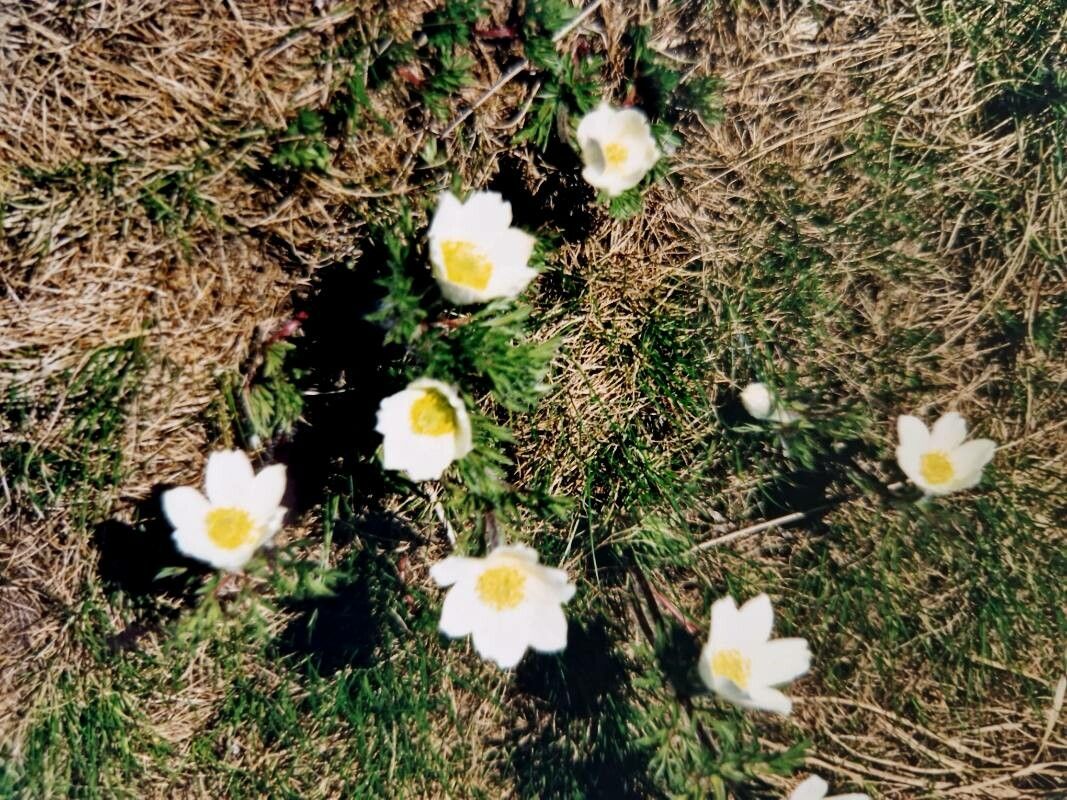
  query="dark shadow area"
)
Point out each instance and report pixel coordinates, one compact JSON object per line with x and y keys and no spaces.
{"x":590,"y":749}
{"x":677,"y":654}
{"x":558,"y":199}
{"x":345,"y":628}
{"x":333,"y":632}
{"x":132,"y":555}
{"x":345,"y":367}
{"x":575,"y":682}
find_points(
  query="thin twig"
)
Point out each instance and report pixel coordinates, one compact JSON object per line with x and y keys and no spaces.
{"x":508,"y":76}
{"x":778,"y":522}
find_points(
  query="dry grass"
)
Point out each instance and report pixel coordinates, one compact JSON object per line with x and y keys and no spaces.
{"x":107,"y":103}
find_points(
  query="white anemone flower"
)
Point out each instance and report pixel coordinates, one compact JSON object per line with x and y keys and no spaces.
{"x":242,"y":511}
{"x":617,"y":148}
{"x":506,"y":601}
{"x":425,"y":428}
{"x":475,"y":253}
{"x":742,"y":664}
{"x":762,"y":405}
{"x":939,"y":461}
{"x":815,"y":788}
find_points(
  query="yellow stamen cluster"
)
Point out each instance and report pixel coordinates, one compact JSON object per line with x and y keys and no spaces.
{"x":502,"y":587}
{"x":731,"y":664}
{"x":936,"y":468}
{"x":229,"y":527}
{"x":615,"y":155}
{"x":433,"y":415}
{"x":466,"y":265}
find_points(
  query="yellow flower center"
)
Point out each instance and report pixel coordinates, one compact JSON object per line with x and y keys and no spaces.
{"x":501,"y":587}
{"x":615,"y":155}
{"x":466,"y":264}
{"x":229,"y":527}
{"x":733,"y":665}
{"x":433,"y":415}
{"x":936,"y":468}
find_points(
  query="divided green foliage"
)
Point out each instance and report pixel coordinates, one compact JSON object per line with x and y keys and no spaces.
{"x":664,"y":92}
{"x":361,"y":690}
{"x":489,"y":350}
{"x":569,"y":86}
{"x":303,"y":145}
{"x":85,"y":412}
{"x":173,"y":199}
{"x":448,"y":31}
{"x":269,"y":402}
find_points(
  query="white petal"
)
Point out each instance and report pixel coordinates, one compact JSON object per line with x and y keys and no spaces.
{"x":756,"y":618}
{"x":487,"y":211}
{"x":757,"y":400}
{"x":768,"y":699}
{"x":523,"y":552}
{"x":610,"y":182}
{"x":228,"y":477}
{"x":454,"y":569}
{"x":948,"y":432}
{"x":502,"y":637}
{"x":459,"y":611}
{"x":912,"y":432}
{"x":813,"y":788}
{"x":448,"y":216}
{"x":548,"y":627}
{"x":779,"y":661}
{"x":420,"y":458}
{"x":969,"y":459}
{"x":265,"y":498}
{"x":596,"y":124}
{"x":725,"y":624}
{"x":850,"y":796}
{"x":909,"y":458}
{"x":194,"y":543}
{"x":185,"y":507}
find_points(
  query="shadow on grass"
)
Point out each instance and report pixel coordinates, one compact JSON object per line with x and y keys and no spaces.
{"x":131,"y":556}
{"x":589,"y":749}
{"x":345,"y":628}
{"x":559,"y":199}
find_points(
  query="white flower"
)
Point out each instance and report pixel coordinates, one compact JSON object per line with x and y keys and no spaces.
{"x":507,"y":601}
{"x":425,"y":428}
{"x":617,"y":148}
{"x":761,"y":404}
{"x":939,"y":461}
{"x":815,"y":788}
{"x":475,"y":253}
{"x":741,"y":664}
{"x":241,"y":512}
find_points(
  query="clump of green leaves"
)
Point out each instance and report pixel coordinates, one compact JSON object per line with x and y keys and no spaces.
{"x":666,"y":95}
{"x":270,"y":402}
{"x":448,"y":31}
{"x":488,"y":351}
{"x":569,"y":85}
{"x":303,"y":145}
{"x":664,"y":92}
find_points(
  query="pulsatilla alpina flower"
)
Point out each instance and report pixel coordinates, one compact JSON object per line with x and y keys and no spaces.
{"x":815,"y":788}
{"x":425,"y":428}
{"x":617,"y":148}
{"x":506,"y":601}
{"x":742,"y":664}
{"x":939,"y":461}
{"x":241,"y":512}
{"x":762,"y":405}
{"x":475,"y":253}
